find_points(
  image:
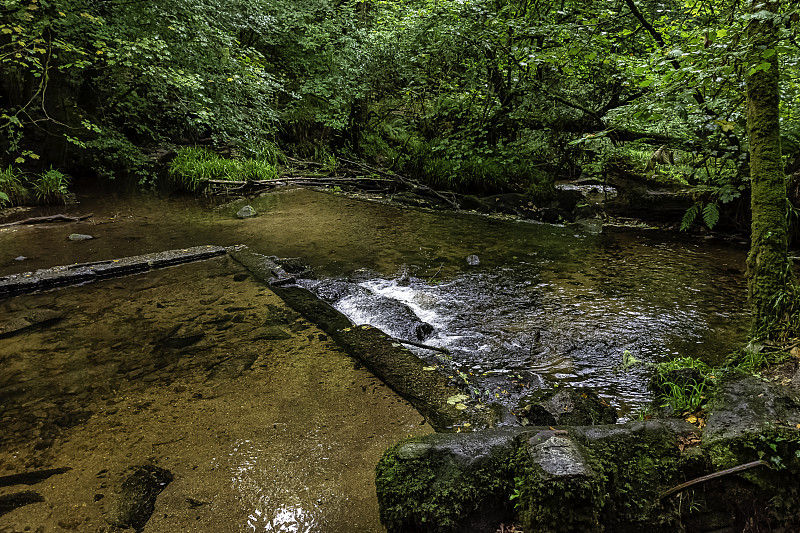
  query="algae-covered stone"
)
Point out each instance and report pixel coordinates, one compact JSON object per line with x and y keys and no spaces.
{"x":565,"y":407}
{"x":750,"y":419}
{"x":448,"y":482}
{"x":586,"y":478}
{"x":246,"y":212}
{"x":556,"y":474}
{"x":641,"y":460}
{"x":136,"y":499}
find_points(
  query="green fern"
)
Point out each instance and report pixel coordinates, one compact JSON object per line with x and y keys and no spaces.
{"x":689,"y":216}
{"x":711,"y":215}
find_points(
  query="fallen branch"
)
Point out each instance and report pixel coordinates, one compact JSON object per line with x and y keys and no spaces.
{"x":387,"y":180}
{"x":50,"y":218}
{"x":420,"y":345}
{"x":715,"y":475}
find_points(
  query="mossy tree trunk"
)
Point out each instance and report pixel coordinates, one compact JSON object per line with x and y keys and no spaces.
{"x":768,"y":267}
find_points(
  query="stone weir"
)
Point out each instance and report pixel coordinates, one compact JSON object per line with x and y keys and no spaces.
{"x":443,"y":404}
{"x":61,"y":276}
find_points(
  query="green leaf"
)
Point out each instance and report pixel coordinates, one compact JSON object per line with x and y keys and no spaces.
{"x":457,"y":398}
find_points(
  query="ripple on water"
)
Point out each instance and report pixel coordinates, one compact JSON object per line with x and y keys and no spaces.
{"x":570,"y":321}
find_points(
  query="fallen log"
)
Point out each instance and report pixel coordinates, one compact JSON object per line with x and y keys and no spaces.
{"x":49,"y":218}
{"x":344,"y":175}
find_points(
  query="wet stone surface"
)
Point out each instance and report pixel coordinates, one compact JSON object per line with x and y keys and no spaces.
{"x":262,"y":421}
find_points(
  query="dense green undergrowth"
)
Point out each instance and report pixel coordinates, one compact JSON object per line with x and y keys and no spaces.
{"x":17,"y":188}
{"x":194,"y":166}
{"x":683,"y":386}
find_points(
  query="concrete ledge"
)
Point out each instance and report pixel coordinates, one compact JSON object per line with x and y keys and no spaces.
{"x":60,"y":276}
{"x":444,"y":405}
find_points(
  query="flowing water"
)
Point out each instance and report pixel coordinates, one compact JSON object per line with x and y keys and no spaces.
{"x":543,"y":304}
{"x":519,"y":305}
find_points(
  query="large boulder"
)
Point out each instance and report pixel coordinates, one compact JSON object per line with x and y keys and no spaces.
{"x":748,"y":420}
{"x":578,"y":479}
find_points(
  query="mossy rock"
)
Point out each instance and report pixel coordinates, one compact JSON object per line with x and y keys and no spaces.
{"x":554,"y":474}
{"x":447,"y":483}
{"x":136,"y":499}
{"x":584,"y":478}
{"x":565,"y":407}
{"x":749,"y":420}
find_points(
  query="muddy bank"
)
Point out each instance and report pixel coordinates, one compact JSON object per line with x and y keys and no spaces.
{"x":199,"y":370}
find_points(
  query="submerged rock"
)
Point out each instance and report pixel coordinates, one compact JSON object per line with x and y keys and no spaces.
{"x":136,"y":499}
{"x":246,"y":212}
{"x":9,"y":502}
{"x":79,"y":237}
{"x":33,"y":319}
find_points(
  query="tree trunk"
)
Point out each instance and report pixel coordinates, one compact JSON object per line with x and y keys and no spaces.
{"x":769,"y":271}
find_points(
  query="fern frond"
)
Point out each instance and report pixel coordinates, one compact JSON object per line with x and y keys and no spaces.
{"x":711,"y":215}
{"x":689,"y":216}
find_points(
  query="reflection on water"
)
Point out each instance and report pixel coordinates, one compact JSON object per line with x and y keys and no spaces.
{"x":277,"y":506}
{"x":292,"y":519}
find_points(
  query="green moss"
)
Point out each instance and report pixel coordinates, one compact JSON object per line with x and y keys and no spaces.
{"x":639,"y":468}
{"x":768,"y":266}
{"x":591,"y":479}
{"x":543,"y":498}
{"x":426,"y":487}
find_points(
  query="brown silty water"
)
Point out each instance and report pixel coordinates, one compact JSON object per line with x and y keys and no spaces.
{"x":265,"y":424}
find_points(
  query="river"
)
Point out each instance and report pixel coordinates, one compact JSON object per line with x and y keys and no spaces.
{"x":519,"y":305}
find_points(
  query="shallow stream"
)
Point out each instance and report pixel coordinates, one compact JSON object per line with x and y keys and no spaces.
{"x":264,"y":422}
{"x":519,"y":304}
